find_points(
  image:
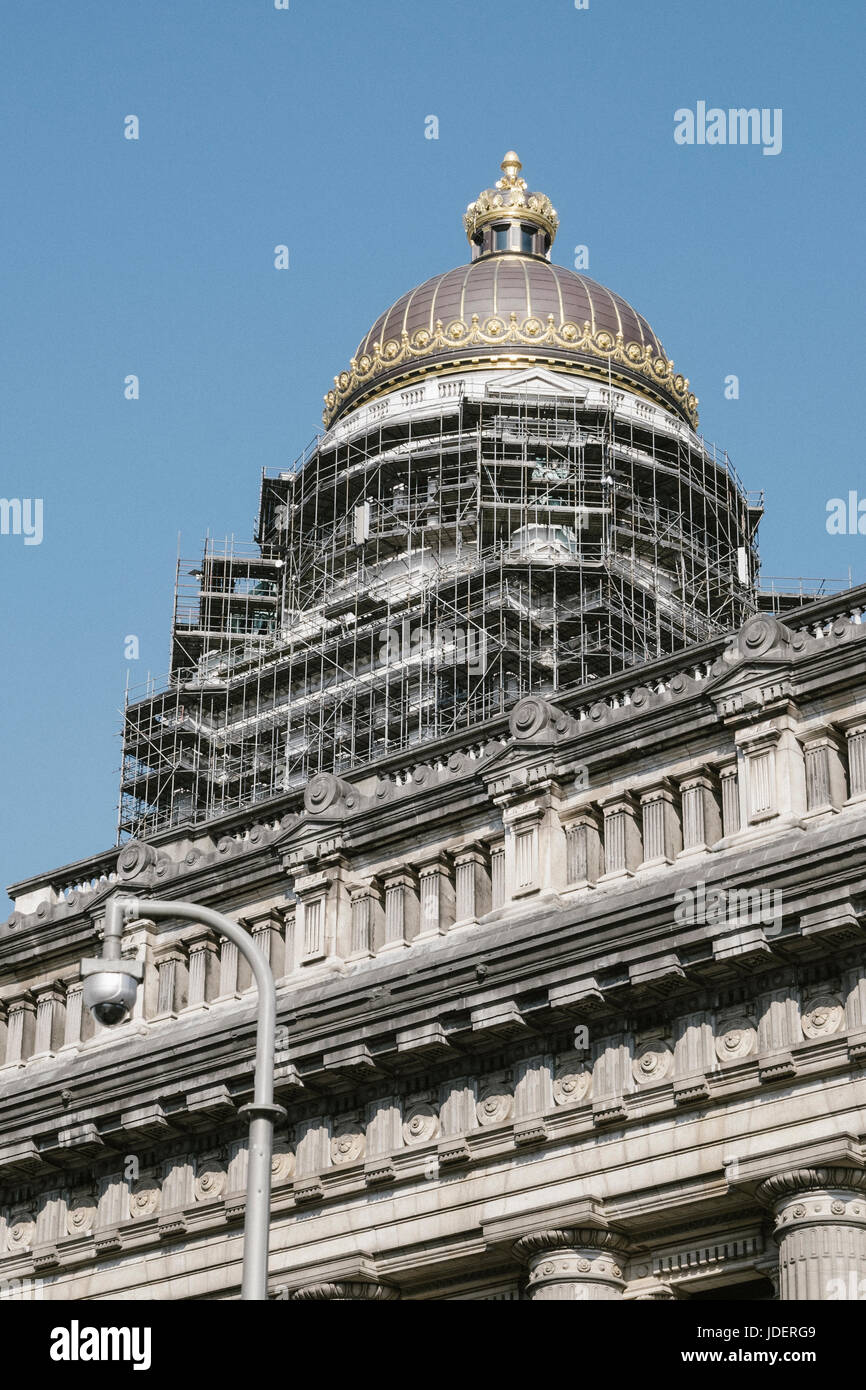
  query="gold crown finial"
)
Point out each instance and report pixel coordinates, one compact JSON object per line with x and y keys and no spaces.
{"x":509,"y":200}
{"x":511,"y":167}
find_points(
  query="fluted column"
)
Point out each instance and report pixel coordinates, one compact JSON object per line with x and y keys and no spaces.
{"x":401,"y":909}
{"x":573,"y":1264}
{"x":583,"y":849}
{"x":820,"y":1228}
{"x":472,"y":883}
{"x":662,"y":838}
{"x":730,"y":782}
{"x":701,"y":820}
{"x":365,"y":905}
{"x":622,"y":843}
{"x":825,"y":774}
{"x":203,"y":968}
{"x":856,"y":738}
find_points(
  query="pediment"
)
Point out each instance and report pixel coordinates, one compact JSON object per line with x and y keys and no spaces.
{"x":535,"y":381}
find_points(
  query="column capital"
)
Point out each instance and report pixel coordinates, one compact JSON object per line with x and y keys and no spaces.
{"x":346,"y":1290}
{"x":795,"y":1182}
{"x":662,"y":790}
{"x":559,"y":1238}
{"x":577,"y":1263}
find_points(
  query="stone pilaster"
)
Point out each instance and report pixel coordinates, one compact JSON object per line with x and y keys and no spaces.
{"x":497,"y":875}
{"x":622,"y":847}
{"x":573,"y":1264}
{"x":533,"y":1097}
{"x":662,"y":837}
{"x":323,"y":923}
{"x":313,"y":1156}
{"x":48,"y":1035}
{"x":825,"y":775}
{"x":266,"y":933}
{"x":523,"y":829}
{"x":436,"y":897}
{"x":367,"y":921}
{"x":584,"y":858}
{"x":456,"y":1118}
{"x":230,"y":969}
{"x":702,"y":826}
{"x":171,"y":967}
{"x":820,"y":1228}
{"x":401,"y":909}
{"x":855,"y":736}
{"x":290,"y":931}
{"x":21,"y":1028}
{"x":729,"y":780}
{"x":76,"y":1021}
{"x":203,"y":968}
{"x":611,"y":1078}
{"x":138,"y":943}
{"x":773,"y":774}
{"x":383,"y":1137}
{"x":472,"y":884}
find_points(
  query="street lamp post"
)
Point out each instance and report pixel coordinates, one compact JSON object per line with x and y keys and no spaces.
{"x":109,"y":991}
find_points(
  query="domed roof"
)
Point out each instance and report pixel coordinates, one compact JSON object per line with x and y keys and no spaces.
{"x":509,"y":307}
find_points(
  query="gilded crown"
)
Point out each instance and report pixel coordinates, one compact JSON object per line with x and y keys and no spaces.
{"x":509,"y":201}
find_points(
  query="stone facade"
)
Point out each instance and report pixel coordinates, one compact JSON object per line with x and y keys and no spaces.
{"x":575,"y":1009}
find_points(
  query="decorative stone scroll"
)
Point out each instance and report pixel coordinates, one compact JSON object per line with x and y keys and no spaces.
{"x":420,"y":1124}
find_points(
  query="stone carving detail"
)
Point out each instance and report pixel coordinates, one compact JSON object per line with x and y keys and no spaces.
{"x":759,"y":636}
{"x":134,"y":858}
{"x":533,"y":717}
{"x":22,"y":1226}
{"x":652,"y":1061}
{"x":823,"y":1014}
{"x":144,"y":1198}
{"x":327,"y":794}
{"x":210,"y":1179}
{"x":282,"y":1162}
{"x":346,"y":1291}
{"x":348,"y":1144}
{"x":495,"y":1104}
{"x":571,"y":1081}
{"x":81,"y":1213}
{"x":738,"y":1039}
{"x":421,"y":1124}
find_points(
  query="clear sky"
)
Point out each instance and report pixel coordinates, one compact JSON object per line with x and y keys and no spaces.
{"x":306,"y":127}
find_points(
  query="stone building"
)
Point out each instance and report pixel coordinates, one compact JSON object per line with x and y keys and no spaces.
{"x":551,"y":824}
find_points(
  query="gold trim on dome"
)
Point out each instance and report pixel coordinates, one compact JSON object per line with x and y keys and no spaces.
{"x":496,"y":331}
{"x":509,"y":199}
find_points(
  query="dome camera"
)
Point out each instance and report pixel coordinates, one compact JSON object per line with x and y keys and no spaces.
{"x":110,"y":996}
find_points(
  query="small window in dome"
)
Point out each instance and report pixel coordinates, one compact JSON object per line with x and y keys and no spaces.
{"x":500,"y":238}
{"x":527,"y":240}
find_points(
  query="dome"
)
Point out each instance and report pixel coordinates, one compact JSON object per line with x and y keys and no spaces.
{"x":510,"y":305}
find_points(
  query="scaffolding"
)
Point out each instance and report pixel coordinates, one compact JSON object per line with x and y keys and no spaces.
{"x":420,"y":574}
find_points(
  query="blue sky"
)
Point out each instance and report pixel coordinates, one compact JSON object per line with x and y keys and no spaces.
{"x":306,"y":127}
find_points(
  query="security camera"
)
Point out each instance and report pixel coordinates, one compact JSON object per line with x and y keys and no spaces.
{"x":110,"y":987}
{"x":110,"y":996}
